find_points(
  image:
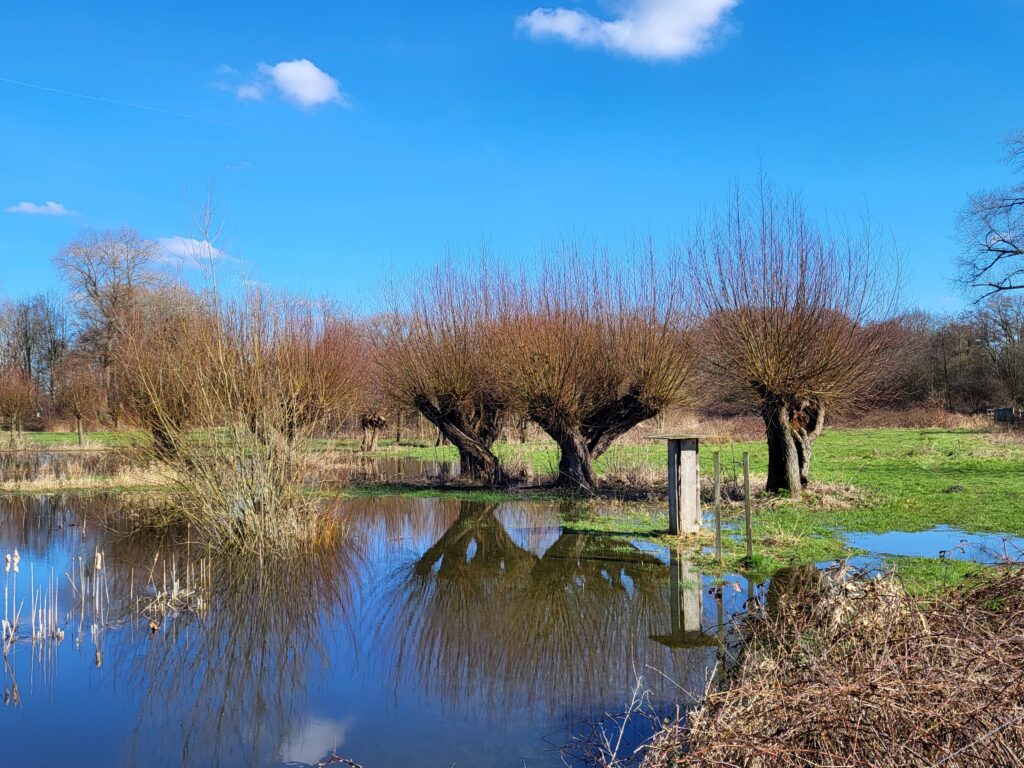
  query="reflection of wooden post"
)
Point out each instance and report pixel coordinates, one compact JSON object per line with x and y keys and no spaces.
{"x":686,"y":604}
{"x":685,"y":586}
{"x":683,"y":485}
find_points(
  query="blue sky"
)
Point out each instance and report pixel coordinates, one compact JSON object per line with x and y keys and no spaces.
{"x":350,"y":139}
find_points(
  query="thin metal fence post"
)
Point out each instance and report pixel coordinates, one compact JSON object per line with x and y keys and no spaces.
{"x":746,"y":506}
{"x":718,"y":507}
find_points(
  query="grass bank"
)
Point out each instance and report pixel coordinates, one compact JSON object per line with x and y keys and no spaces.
{"x":871,"y":480}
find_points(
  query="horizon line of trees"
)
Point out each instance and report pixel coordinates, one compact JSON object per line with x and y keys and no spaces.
{"x":760,"y":310}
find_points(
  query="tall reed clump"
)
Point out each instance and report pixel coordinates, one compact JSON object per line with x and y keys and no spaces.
{"x":231,"y":393}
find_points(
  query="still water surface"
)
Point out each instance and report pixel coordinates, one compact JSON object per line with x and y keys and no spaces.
{"x":439,"y":633}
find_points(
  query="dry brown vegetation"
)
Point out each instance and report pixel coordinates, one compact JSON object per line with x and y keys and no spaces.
{"x":18,"y":395}
{"x":794,"y":317}
{"x":230,"y":392}
{"x":593,"y":348}
{"x":844,"y":670}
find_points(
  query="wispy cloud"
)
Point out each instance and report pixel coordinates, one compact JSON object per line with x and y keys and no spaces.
{"x":298,"y":81}
{"x":49,"y":208}
{"x":645,"y":29}
{"x":250,"y":92}
{"x":241,"y":165}
{"x":186,"y":250}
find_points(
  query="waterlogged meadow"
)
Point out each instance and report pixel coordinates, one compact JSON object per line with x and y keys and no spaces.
{"x":435,"y":633}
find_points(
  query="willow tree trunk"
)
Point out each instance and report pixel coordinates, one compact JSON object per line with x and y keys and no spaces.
{"x":472,"y":432}
{"x":809,"y":422}
{"x":791,"y":429}
{"x":369,"y":439}
{"x":584,"y":440}
{"x":575,"y":467}
{"x":783,"y":458}
{"x":78,"y":428}
{"x":163,"y":443}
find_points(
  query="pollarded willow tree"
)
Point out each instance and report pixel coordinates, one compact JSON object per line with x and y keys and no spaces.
{"x":439,"y":355}
{"x":794,"y":315}
{"x":594,"y":348}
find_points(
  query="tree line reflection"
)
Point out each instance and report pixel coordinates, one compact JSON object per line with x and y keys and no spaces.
{"x":484,"y":608}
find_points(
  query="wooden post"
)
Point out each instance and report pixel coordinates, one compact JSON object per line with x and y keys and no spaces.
{"x":746,"y":506}
{"x":683,"y":485}
{"x":718,"y":508}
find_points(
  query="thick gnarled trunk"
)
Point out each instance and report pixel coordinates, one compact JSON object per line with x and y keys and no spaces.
{"x":575,"y":464}
{"x":471,"y":431}
{"x":791,"y":429}
{"x":581,"y":446}
{"x":371,"y":425}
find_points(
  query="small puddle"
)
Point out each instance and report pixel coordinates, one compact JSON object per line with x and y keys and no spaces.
{"x":941,"y":541}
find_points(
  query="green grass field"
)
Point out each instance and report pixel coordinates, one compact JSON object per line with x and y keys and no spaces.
{"x":902,"y":480}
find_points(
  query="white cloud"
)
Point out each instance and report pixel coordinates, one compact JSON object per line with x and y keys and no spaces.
{"x":241,"y":165}
{"x":49,"y":208}
{"x":302,"y":82}
{"x":250,"y":92}
{"x":187,"y":250}
{"x":226,"y":69}
{"x":646,"y":29}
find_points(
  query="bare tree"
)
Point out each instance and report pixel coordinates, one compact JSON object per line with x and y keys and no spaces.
{"x":439,"y":356}
{"x":991,"y":230}
{"x":35,"y":335}
{"x":78,"y":390}
{"x":105,"y":271}
{"x":595,"y":347}
{"x":793,"y":313}
{"x":158,"y":363}
{"x":999,"y":327}
{"x":18,"y":397}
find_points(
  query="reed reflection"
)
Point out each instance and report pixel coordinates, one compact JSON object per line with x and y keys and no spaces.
{"x":217,"y":654}
{"x":228,"y":685}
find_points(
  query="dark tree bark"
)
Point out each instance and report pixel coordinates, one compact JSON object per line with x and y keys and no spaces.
{"x":575,"y":467}
{"x":78,"y":428}
{"x":371,"y":425}
{"x":581,"y":445}
{"x":791,"y":429}
{"x":163,"y":443}
{"x":472,"y":430}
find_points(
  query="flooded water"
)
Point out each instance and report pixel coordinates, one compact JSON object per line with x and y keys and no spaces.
{"x":941,"y":541}
{"x":438,"y":633}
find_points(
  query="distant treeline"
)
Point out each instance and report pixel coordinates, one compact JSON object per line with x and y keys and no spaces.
{"x":759,"y":310}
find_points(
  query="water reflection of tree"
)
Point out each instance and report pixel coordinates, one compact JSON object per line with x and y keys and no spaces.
{"x":228,"y":687}
{"x":480,"y":621}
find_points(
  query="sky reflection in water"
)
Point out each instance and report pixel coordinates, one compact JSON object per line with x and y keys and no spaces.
{"x":438,"y":632}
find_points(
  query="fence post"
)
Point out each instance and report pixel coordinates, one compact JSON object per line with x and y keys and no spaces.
{"x":718,"y":507}
{"x":746,"y":506}
{"x":683,"y":485}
